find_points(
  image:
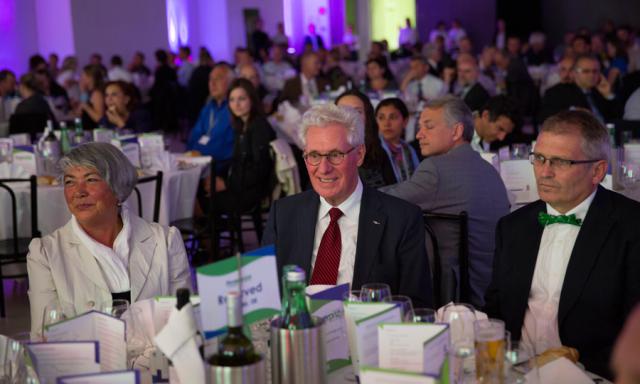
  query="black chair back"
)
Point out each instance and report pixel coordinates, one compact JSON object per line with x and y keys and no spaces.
{"x":14,"y":250}
{"x":463,"y":286}
{"x":158,"y":194}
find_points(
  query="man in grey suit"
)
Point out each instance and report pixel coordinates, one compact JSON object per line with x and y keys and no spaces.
{"x":342,"y":231}
{"x":451,"y":179}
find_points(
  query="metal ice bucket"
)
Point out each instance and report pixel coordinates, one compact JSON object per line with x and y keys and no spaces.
{"x":297,"y":356}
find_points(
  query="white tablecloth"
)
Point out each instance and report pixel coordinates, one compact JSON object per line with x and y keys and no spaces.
{"x":178,"y":196}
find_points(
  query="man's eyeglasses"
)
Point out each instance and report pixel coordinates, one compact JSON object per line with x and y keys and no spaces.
{"x":334,"y":157}
{"x":587,"y":70}
{"x":538,"y":160}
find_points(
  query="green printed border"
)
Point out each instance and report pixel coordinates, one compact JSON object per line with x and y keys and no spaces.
{"x":226,"y":266}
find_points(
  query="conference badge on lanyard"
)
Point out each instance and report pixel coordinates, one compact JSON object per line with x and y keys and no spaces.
{"x":204,"y":139}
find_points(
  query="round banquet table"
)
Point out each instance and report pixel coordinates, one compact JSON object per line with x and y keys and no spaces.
{"x":179,"y":189}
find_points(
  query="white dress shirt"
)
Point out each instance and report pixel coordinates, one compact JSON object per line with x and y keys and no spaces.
{"x":309,"y":88}
{"x":113,"y":262}
{"x":541,"y":318}
{"x":348,"y":224}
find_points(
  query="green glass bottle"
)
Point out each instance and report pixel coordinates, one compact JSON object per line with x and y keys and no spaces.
{"x":295,"y":312}
{"x":235,"y":349}
{"x":65,"y":143}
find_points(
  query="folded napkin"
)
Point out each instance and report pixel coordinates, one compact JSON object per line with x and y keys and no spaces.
{"x":561,"y":370}
{"x":290,"y":124}
{"x":177,"y":340}
{"x":11,"y":170}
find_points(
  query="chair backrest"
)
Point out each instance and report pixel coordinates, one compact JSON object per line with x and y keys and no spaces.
{"x":157,"y":178}
{"x":33,"y":186}
{"x":461,"y":220}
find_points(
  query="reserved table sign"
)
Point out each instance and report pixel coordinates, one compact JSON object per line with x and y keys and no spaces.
{"x":254,"y":275}
{"x":52,"y":360}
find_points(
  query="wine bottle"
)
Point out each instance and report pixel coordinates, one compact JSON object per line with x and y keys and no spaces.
{"x":295,"y":312}
{"x":235,"y":349}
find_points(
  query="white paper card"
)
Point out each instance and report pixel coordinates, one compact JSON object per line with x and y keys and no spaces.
{"x":370,"y":375}
{"x":24,"y":157}
{"x":93,"y":325}
{"x":122,"y":377}
{"x":362,"y":329}
{"x":415,"y":347}
{"x":56,"y":359}
{"x":519,"y":179}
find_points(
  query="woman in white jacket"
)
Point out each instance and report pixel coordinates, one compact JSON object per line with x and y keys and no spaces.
{"x":104,"y":252}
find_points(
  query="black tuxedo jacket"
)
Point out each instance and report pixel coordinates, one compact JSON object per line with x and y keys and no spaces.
{"x":563,"y":96}
{"x":390,"y":247}
{"x":476,"y":97}
{"x":602,"y":281}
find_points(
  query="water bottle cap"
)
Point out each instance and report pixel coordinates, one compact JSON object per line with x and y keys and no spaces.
{"x":296,"y":274}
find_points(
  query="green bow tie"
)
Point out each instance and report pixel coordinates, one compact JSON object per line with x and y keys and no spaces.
{"x":547,"y":219}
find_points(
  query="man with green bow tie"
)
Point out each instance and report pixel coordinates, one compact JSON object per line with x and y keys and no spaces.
{"x":567,"y":267}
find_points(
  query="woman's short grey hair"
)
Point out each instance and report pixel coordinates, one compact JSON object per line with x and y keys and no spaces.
{"x":329,"y":114}
{"x":595,"y":138}
{"x":455,"y":111}
{"x":112,"y":166}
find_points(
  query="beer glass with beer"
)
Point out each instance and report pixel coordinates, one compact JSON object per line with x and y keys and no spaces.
{"x":490,"y":350}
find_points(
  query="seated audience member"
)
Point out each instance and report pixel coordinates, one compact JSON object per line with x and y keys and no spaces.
{"x":277,"y":70}
{"x":198,"y":89}
{"x":117,"y":71}
{"x":566,"y":269}
{"x":123,"y":111}
{"x":212,"y":135}
{"x":392,"y":116}
{"x":379,"y":77}
{"x":7,"y":92}
{"x":301,"y":89}
{"x":562,"y":73}
{"x":33,"y":102}
{"x":434,"y":57}
{"x":91,"y":106}
{"x":538,"y":53}
{"x":494,"y":121}
{"x":248,"y":179}
{"x":164,"y":94}
{"x":186,"y":66}
{"x":68,"y":77}
{"x":55,"y":95}
{"x":626,"y":351}
{"x":517,"y":84}
{"x":376,"y":169}
{"x":104,"y":252}
{"x":418,"y":84}
{"x":468,"y":86}
{"x":451,"y":179}
{"x":581,"y":45}
{"x":589,"y":90}
{"x":377,"y":238}
{"x":251,"y":73}
{"x":334,"y":74}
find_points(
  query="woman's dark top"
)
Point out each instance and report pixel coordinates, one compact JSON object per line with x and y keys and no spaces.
{"x":252,"y":167}
{"x":378,"y":174}
{"x":139,"y":121}
{"x":121,"y":296}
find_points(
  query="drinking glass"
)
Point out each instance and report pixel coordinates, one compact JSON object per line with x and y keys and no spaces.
{"x":489,"y":350}
{"x":521,"y":359}
{"x":406,"y":307}
{"x":629,"y":175}
{"x":118,"y":307}
{"x":460,"y":318}
{"x":375,"y":293}
{"x":137,"y":337}
{"x":52,"y":314}
{"x":424,"y":315}
{"x":519,"y":151}
{"x":352,"y":296}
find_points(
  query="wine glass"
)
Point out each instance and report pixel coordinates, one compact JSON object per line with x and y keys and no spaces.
{"x":461,"y":318}
{"x":424,"y":315}
{"x":52,"y":314}
{"x":352,"y":296}
{"x":406,"y":307}
{"x":375,"y":293}
{"x":118,"y":307}
{"x":629,"y":175}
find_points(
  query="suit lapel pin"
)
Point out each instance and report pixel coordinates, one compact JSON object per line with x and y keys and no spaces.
{"x":376,"y":222}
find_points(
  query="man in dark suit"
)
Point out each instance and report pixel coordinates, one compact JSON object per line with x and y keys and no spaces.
{"x":469,"y":89}
{"x":497,"y":118}
{"x":518,"y":84}
{"x":313,"y":39}
{"x":589,"y":90}
{"x":344,"y":232}
{"x":307,"y":85}
{"x":567,"y":267}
